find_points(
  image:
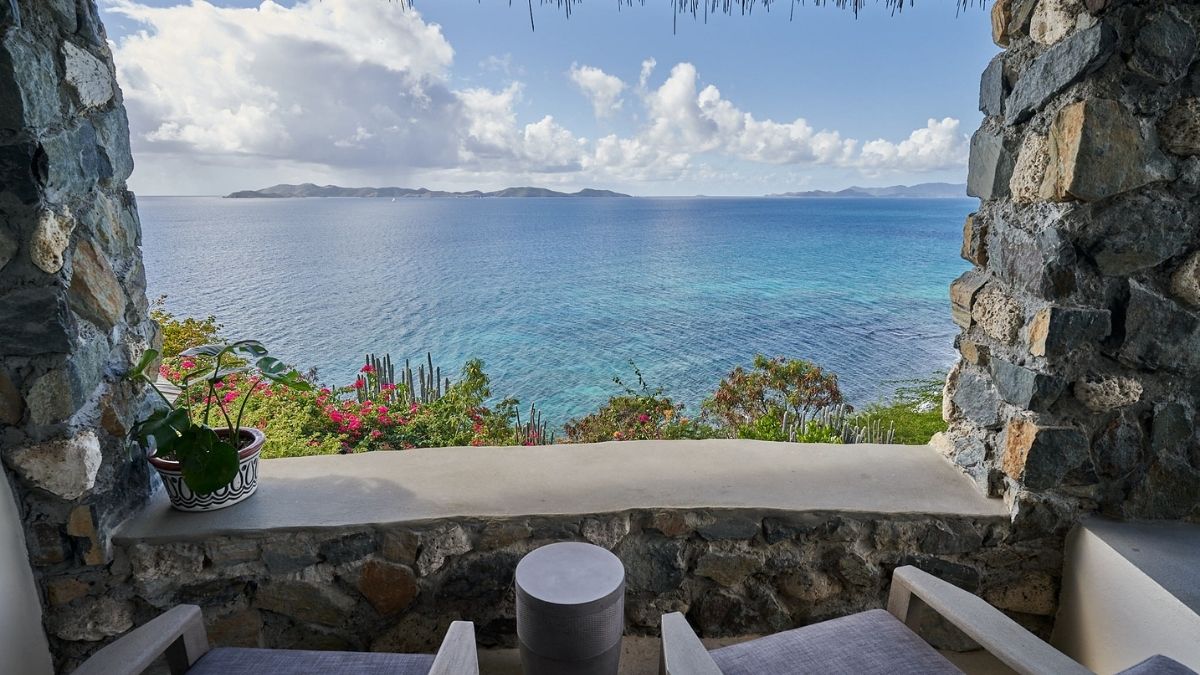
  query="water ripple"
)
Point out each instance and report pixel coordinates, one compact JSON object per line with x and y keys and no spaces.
{"x":557,"y":295}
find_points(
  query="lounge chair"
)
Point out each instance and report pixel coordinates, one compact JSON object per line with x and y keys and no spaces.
{"x":876,"y":642}
{"x":179,"y":635}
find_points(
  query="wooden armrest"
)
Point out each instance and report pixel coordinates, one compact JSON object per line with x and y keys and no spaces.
{"x":457,"y":654}
{"x":178,"y":633}
{"x":1002,"y":637}
{"x":682,"y":651}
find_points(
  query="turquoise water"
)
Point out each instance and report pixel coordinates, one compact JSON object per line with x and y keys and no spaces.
{"x":557,"y":295}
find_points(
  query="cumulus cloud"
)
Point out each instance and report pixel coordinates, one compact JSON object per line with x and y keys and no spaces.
{"x":339,"y":87}
{"x":647,"y":69}
{"x":602,"y":89}
{"x":939,"y":145}
{"x":318,"y":82}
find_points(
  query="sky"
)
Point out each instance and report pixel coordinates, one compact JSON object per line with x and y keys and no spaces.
{"x":227,"y":95}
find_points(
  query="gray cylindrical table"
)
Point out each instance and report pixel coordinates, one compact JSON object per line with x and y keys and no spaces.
{"x":570,"y":610}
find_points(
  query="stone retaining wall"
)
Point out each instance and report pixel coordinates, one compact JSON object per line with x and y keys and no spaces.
{"x":396,"y":588}
{"x":73,"y":311}
{"x":1077,"y":388}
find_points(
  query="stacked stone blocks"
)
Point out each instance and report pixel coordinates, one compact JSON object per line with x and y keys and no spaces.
{"x":73,"y":311}
{"x":1075,"y":391}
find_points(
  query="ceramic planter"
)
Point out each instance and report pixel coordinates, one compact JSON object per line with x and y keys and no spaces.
{"x":243,"y":485}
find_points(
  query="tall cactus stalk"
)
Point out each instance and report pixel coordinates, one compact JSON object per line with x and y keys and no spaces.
{"x":838,"y":420}
{"x":427,"y":384}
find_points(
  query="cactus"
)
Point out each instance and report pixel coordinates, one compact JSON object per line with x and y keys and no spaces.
{"x":426,"y":385}
{"x":838,"y":420}
{"x":535,"y":431}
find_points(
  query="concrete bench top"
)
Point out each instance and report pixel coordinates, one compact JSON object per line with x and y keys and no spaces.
{"x":1166,"y":551}
{"x":389,"y":487}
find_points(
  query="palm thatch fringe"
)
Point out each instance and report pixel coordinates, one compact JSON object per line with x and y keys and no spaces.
{"x":702,"y":8}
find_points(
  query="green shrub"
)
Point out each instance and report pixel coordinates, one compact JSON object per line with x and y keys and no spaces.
{"x":340,"y":420}
{"x":915,"y":410}
{"x":752,"y":403}
{"x":770,"y":428}
{"x":638,"y":414}
{"x":183,"y":334}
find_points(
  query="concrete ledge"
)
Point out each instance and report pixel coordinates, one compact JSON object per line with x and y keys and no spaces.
{"x":384,"y":488}
{"x":1130,"y":590}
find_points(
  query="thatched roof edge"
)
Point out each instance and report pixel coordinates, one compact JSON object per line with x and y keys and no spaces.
{"x":702,"y":8}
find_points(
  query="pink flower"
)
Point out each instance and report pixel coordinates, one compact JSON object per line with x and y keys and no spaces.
{"x":335,"y":416}
{"x":231,"y":396}
{"x":360,"y":383}
{"x":188,"y":364}
{"x":367,"y":369}
{"x":219,"y":385}
{"x":643,"y":418}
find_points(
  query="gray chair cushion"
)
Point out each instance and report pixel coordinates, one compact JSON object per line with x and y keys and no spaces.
{"x":1158,"y":665}
{"x":868,"y":643}
{"x":239,"y":661}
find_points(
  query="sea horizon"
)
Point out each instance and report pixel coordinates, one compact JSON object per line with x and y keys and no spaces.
{"x":558,"y":299}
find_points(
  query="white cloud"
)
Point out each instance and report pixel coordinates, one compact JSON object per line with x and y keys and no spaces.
{"x":310,"y":83}
{"x":339,"y":87}
{"x":501,"y":64}
{"x":940,"y":145}
{"x":647,"y":70}
{"x":703,"y":121}
{"x":602,"y":89}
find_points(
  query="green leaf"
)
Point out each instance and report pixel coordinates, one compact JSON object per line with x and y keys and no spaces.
{"x":143,"y":363}
{"x":162,"y":429}
{"x":208,"y":463}
{"x":249,"y":348}
{"x":270,"y":365}
{"x":204,"y":350}
{"x":277,"y":371}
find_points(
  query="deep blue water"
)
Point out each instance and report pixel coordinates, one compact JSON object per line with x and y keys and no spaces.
{"x":557,"y":295}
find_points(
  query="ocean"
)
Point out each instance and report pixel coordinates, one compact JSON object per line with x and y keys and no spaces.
{"x":557,"y":296}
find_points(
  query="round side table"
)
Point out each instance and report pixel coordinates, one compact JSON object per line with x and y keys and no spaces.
{"x":570,"y":610}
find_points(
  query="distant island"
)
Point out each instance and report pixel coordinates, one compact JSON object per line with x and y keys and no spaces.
{"x":926,"y":190}
{"x":309,"y":190}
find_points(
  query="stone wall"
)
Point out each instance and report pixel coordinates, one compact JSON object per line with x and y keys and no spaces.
{"x":733,"y":572}
{"x":73,"y":310}
{"x":1077,"y":389}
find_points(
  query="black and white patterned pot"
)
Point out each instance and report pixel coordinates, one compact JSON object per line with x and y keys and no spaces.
{"x":243,"y":485}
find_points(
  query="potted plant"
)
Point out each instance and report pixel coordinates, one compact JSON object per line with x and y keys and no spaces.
{"x":205,"y":468}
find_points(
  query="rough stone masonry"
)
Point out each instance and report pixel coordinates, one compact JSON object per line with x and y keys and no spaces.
{"x":1077,"y":389}
{"x":73,"y":311}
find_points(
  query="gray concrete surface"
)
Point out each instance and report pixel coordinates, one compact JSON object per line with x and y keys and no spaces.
{"x":1130,"y":590}
{"x":414,"y":485}
{"x":1167,"y":551}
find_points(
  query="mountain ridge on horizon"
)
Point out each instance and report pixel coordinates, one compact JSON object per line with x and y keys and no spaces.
{"x":307,"y":190}
{"x":926,"y":190}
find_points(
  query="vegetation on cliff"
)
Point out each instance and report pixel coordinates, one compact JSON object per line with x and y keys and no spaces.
{"x":772,"y":399}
